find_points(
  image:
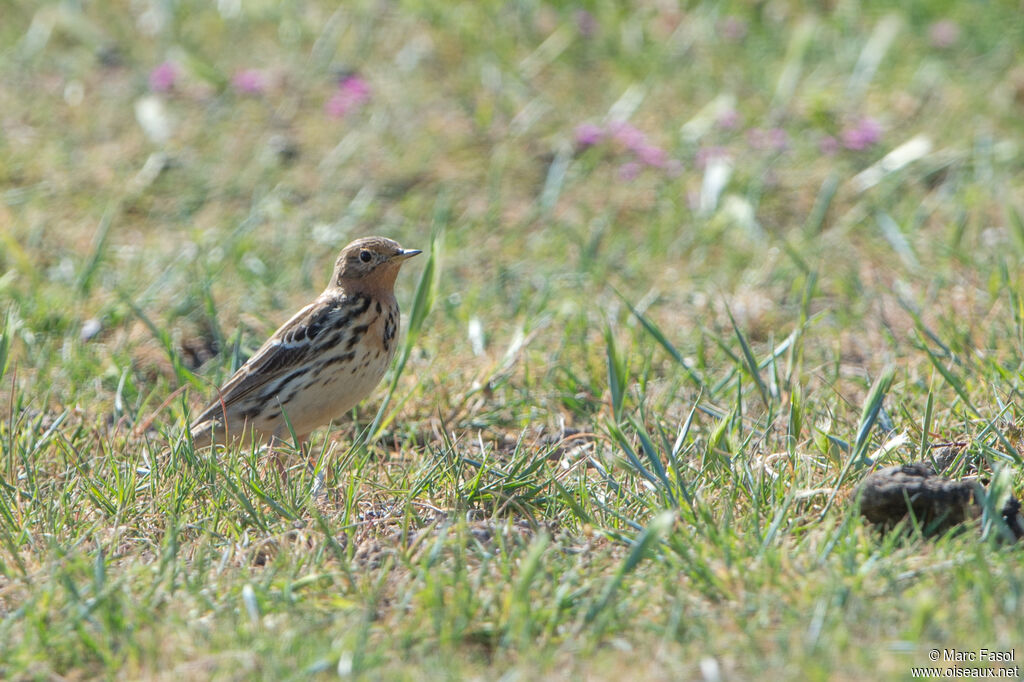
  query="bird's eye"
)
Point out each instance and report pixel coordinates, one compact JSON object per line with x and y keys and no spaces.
{"x":365,"y":256}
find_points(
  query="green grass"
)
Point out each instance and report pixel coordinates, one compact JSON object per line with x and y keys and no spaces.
{"x":630,"y":412}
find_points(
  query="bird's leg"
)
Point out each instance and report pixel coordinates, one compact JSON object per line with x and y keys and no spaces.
{"x":306,"y":451}
{"x":311,"y":458}
{"x":281,"y":439}
{"x":274,"y":453}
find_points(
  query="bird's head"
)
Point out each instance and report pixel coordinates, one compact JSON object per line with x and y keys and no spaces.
{"x":371,"y":263}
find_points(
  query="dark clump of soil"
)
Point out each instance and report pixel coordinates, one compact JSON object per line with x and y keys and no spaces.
{"x":937,"y":503}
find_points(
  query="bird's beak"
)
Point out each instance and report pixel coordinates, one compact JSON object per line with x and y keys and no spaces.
{"x":408,"y":253}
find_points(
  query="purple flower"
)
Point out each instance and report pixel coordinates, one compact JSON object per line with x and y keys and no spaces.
{"x":828,"y":145}
{"x":338,"y":105}
{"x":674,"y":168}
{"x":628,"y":136}
{"x":586,"y":24}
{"x":778,"y":138}
{"x":705,"y":154}
{"x":864,"y":134}
{"x":733,"y":29}
{"x":588,"y":134}
{"x":162,"y":77}
{"x":652,"y":155}
{"x":249,"y":81}
{"x":756,"y":138}
{"x":944,"y":34}
{"x":775,"y":139}
{"x":352,"y":92}
{"x":629,"y":170}
{"x":356,"y":87}
{"x":728,"y":119}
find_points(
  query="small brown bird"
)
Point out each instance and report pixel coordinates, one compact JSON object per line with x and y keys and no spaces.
{"x":321,"y":362}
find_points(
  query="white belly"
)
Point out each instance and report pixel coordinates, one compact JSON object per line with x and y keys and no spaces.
{"x":329,"y":394}
{"x":332,"y":394}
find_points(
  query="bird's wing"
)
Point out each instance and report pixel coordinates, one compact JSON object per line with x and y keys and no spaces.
{"x":320,"y":325}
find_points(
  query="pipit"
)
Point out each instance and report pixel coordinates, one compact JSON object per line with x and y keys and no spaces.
{"x":321,"y":362}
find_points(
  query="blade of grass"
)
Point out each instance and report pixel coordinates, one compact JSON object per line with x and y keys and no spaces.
{"x":99,"y":244}
{"x":950,"y":378}
{"x":816,"y":218}
{"x":868,"y":416}
{"x":748,"y":356}
{"x":650,"y":536}
{"x":660,"y":337}
{"x":183,"y":375}
{"x":617,"y":374}
{"x":926,"y":425}
{"x":623,"y":442}
{"x":5,"y":343}
{"x":423,"y":302}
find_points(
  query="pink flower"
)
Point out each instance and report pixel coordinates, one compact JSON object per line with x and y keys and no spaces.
{"x":651,"y":155}
{"x":588,"y":134}
{"x":627,"y":135}
{"x":249,"y":81}
{"x":756,"y":138}
{"x":944,"y":34}
{"x":775,"y":139}
{"x":828,"y":145}
{"x":729,"y":119}
{"x":705,"y":154}
{"x":778,"y":138}
{"x":352,"y":92}
{"x":633,"y":143}
{"x":866,"y":133}
{"x":629,"y":170}
{"x":356,"y":87}
{"x":162,"y":77}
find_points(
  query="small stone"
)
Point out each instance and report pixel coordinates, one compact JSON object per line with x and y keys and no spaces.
{"x":90,"y":328}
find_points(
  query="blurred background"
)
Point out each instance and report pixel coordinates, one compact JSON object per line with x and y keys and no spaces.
{"x":180,"y":154}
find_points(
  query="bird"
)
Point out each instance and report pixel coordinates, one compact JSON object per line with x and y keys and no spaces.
{"x":320,"y":363}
